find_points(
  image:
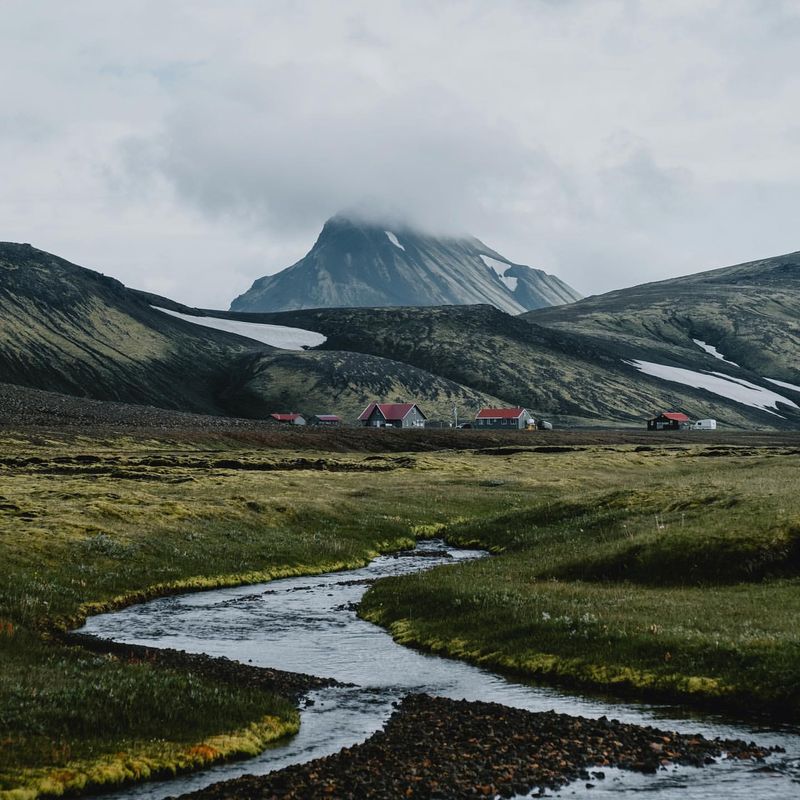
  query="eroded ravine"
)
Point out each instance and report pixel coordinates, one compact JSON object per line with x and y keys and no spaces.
{"x":309,"y":625}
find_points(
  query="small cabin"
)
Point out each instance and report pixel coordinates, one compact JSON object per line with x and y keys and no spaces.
{"x":668,"y":421}
{"x":326,"y":420}
{"x":392,"y":415}
{"x":289,"y":419}
{"x":504,"y":419}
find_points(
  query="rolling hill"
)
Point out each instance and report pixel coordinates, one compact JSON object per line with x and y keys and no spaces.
{"x":750,"y":313}
{"x":722,"y":344}
{"x":72,"y":330}
{"x":568,"y":376}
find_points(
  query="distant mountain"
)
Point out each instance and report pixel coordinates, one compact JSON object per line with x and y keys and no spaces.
{"x":71,"y":330}
{"x":722,"y":344}
{"x":748,"y":313}
{"x":357,"y":264}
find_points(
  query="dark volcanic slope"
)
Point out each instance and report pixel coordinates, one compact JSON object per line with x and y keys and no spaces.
{"x":356,"y":264}
{"x":344,"y":383}
{"x":558,"y":372}
{"x":71,"y":330}
{"x":749,"y":312}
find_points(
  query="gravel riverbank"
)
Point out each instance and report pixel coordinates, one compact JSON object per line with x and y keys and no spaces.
{"x":438,"y":748}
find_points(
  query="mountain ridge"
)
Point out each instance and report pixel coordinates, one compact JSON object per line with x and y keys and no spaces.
{"x":72,"y":330}
{"x":606,"y":360}
{"x":750,"y":312}
{"x":360,"y":264}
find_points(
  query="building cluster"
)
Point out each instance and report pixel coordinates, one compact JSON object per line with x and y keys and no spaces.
{"x":410,"y":415}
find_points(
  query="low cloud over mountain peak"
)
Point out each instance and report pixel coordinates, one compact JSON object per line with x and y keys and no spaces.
{"x":359,"y":262}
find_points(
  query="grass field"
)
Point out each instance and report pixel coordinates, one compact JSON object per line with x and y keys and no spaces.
{"x":665,"y":573}
{"x":90,"y":524}
{"x":657,"y":569}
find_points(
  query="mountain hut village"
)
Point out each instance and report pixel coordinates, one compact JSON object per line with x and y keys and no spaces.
{"x":410,"y":415}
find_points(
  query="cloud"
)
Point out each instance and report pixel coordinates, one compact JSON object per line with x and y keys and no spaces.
{"x":194,"y":146}
{"x":285,"y":149}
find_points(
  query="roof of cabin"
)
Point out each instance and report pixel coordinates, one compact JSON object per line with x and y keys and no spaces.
{"x":500,"y":413}
{"x":673,"y":415}
{"x":390,"y":411}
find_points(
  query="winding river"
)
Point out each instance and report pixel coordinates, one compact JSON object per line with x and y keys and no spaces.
{"x":310,"y":625}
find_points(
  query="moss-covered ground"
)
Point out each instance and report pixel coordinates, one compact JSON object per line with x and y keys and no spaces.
{"x":663,"y":573}
{"x":661,"y":569}
{"x":89,"y":524}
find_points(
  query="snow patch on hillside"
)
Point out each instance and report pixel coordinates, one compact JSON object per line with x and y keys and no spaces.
{"x":711,"y":350}
{"x":500,"y":268}
{"x":394,"y":240}
{"x":794,"y":387}
{"x":274,"y":335}
{"x":736,"y":389}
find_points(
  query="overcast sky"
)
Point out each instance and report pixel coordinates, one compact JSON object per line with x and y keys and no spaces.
{"x":190,"y":147}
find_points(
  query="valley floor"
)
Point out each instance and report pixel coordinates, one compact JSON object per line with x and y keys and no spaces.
{"x":659,"y":566}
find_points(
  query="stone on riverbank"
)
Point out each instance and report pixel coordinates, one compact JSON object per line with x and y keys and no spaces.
{"x":439,"y":748}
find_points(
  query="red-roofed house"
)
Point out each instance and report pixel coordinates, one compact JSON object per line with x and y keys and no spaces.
{"x":394,"y":415}
{"x":289,"y":419}
{"x":668,"y":421}
{"x":503,"y":418}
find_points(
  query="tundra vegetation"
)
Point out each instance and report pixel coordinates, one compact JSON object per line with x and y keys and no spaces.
{"x":667,"y":573}
{"x":652,"y":569}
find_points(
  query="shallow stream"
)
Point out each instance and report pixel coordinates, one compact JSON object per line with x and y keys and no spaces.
{"x":310,"y":625}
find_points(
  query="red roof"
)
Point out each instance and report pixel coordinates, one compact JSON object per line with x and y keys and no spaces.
{"x":675,"y":415}
{"x":500,"y":413}
{"x":391,"y":412}
{"x":286,"y":417}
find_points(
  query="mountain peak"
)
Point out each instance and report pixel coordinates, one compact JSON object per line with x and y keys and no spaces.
{"x":359,"y":261}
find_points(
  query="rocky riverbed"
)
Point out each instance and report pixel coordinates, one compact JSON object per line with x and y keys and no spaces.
{"x":435,"y":747}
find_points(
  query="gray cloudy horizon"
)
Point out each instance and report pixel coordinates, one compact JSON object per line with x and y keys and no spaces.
{"x":188,"y":148}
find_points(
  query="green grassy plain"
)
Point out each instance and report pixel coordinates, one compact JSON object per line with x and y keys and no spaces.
{"x":659,"y":570}
{"x":91,"y":524}
{"x":660,"y":574}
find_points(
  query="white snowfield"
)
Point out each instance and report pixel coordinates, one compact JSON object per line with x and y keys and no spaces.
{"x":274,"y":335}
{"x":711,"y":350}
{"x":500,"y":268}
{"x":394,"y":240}
{"x":736,"y":389}
{"x":793,"y":386}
